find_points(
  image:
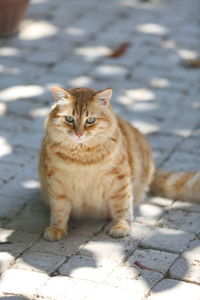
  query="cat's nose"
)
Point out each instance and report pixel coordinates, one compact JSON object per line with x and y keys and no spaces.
{"x":79,"y":133}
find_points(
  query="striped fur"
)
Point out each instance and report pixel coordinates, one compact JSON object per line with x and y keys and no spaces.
{"x":97,"y":169}
{"x":176,"y":185}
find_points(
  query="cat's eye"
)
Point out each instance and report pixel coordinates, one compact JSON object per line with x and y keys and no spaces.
{"x":69,"y":119}
{"x":90,"y":120}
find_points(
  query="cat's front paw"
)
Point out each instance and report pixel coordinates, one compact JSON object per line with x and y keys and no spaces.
{"x":120,"y":230}
{"x":54,"y":234}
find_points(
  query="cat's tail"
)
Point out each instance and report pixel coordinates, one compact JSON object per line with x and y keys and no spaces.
{"x":176,"y":185}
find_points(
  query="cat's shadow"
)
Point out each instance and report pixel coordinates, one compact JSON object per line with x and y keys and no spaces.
{"x":86,"y":253}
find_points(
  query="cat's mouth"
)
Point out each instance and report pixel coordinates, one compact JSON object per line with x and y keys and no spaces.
{"x":78,"y":139}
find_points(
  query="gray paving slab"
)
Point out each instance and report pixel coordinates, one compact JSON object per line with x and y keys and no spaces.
{"x":68,"y":44}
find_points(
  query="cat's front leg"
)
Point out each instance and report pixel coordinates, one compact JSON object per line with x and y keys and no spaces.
{"x":121,"y":208}
{"x":60,"y":211}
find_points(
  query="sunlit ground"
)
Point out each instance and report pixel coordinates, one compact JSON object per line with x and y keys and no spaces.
{"x":60,"y":46}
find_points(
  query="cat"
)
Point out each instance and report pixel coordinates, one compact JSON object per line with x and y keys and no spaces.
{"x":94,"y":163}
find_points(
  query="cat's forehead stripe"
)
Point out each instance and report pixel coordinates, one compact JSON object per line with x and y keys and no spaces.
{"x":82,"y":97}
{"x":80,"y":107}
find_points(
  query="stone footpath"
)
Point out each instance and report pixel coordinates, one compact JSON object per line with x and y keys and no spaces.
{"x":68,"y":43}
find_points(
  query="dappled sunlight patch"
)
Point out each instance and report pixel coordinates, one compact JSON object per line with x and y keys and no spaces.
{"x":145,"y":127}
{"x":187,"y":54}
{"x":125,"y":100}
{"x":169,"y":44}
{"x":128,"y":3}
{"x":6,"y":259}
{"x":152,"y":28}
{"x":9,"y":70}
{"x":145,"y":106}
{"x":75,"y":31}
{"x":182,"y":132}
{"x":9,"y":51}
{"x":5,"y":147}
{"x":140,"y":94}
{"x":110,"y":70}
{"x":5,"y":234}
{"x":80,"y":81}
{"x":2,"y":109}
{"x":133,"y":97}
{"x":31,"y":184}
{"x":92,"y":53}
{"x":195,"y":105}
{"x":158,"y":82}
{"x":39,"y":112}
{"x":21,"y":91}
{"x":37,"y":30}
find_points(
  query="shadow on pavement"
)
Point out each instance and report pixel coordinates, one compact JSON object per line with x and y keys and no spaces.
{"x":142,"y":98}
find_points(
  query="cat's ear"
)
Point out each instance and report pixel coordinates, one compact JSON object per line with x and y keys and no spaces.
{"x":60,"y":94}
{"x":103,"y":97}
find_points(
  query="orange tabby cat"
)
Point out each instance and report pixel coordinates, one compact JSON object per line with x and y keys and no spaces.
{"x":93,"y":163}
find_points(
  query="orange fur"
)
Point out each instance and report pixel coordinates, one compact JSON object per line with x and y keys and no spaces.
{"x":96,"y":169}
{"x":176,"y":185}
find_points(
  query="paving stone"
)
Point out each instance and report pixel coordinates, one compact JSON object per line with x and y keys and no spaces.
{"x":29,"y":139}
{"x":167,"y":239}
{"x":139,"y":231}
{"x":7,"y":173}
{"x":85,"y":227}
{"x":154,"y":77}
{"x":146,"y":125}
{"x":65,"y":247}
{"x":21,"y":91}
{"x":182,"y":125}
{"x":15,"y":125}
{"x":133,"y":287}
{"x":50,"y":79}
{"x":70,"y":67}
{"x":10,"y":205}
{"x":148,"y":214}
{"x":24,"y":283}
{"x":163,"y":142}
{"x":37,"y":30}
{"x":39,"y":262}
{"x":89,"y":268}
{"x":60,"y":287}
{"x":161,"y":201}
{"x":6,"y":259}
{"x":168,"y":288}
{"x":109,"y":71}
{"x":42,"y":58}
{"x":152,"y":89}
{"x":125,"y":275}
{"x":187,"y":266}
{"x":106,"y":248}
{"x":184,"y":220}
{"x":188,"y":206}
{"x":159,"y":156}
{"x":19,"y":156}
{"x":191,"y":145}
{"x":154,"y":260}
{"x":16,"y":242}
{"x":183,"y":161}
{"x":100,"y":246}
{"x":25,"y":108}
{"x":33,"y":221}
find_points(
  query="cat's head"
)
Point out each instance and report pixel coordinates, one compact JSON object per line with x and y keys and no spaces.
{"x":81,"y":114}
